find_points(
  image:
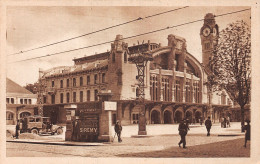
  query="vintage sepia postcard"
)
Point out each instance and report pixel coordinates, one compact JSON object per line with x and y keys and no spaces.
{"x":146,"y":82}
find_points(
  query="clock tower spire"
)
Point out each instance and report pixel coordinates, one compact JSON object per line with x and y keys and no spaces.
{"x":209,"y":37}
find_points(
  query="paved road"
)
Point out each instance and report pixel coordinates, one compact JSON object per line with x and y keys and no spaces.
{"x":158,"y":146}
{"x":166,"y":145}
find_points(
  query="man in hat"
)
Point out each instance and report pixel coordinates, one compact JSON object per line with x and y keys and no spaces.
{"x":183,"y":129}
{"x":208,"y":125}
{"x":118,"y":129}
{"x":247,"y":129}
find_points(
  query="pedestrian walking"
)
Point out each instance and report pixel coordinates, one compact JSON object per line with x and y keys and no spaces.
{"x":208,"y":125}
{"x":118,"y":130}
{"x":225,"y":122}
{"x":75,"y":130}
{"x":222,"y":122}
{"x":183,"y":130}
{"x":228,"y":122}
{"x":247,"y":134}
{"x":17,"y":130}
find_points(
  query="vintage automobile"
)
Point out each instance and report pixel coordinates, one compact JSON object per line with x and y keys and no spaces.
{"x":39,"y":125}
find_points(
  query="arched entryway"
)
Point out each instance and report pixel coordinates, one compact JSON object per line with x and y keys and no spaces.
{"x":155,"y":117}
{"x":188,"y":116}
{"x":178,"y":116}
{"x":167,"y":117}
{"x":198,"y":116}
{"x":24,"y":114}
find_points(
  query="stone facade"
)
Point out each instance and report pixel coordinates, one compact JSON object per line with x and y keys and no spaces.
{"x":174,"y":81}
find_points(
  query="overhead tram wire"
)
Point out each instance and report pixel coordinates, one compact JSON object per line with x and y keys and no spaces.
{"x":131,"y":21}
{"x":166,"y":28}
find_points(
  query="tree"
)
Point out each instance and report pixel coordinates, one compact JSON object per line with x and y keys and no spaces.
{"x":32,"y":87}
{"x":231,"y":64}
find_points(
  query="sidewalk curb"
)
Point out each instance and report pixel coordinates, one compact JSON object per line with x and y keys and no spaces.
{"x":58,"y":143}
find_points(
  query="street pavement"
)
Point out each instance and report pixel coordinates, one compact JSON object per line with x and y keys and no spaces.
{"x":162,"y":142}
{"x":132,"y":131}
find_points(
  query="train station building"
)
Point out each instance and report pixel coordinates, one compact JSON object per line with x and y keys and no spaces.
{"x":175,"y":82}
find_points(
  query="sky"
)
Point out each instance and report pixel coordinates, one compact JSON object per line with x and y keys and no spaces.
{"x":34,"y":26}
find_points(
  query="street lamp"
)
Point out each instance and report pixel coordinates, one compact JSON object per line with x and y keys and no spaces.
{"x":140,"y":58}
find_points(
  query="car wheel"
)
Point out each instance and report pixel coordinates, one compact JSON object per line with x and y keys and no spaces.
{"x":59,"y":131}
{"x":34,"y":131}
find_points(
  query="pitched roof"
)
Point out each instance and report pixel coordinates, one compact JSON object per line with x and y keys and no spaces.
{"x":12,"y":87}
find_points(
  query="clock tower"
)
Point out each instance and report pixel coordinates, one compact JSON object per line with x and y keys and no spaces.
{"x":209,"y":37}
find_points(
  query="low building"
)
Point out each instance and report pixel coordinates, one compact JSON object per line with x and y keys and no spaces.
{"x":19,"y":102}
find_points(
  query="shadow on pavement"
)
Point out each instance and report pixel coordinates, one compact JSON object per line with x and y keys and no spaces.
{"x":230,"y":148}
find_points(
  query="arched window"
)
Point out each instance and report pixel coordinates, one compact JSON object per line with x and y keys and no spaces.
{"x":9,"y":116}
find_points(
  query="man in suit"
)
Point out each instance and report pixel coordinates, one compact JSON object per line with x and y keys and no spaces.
{"x":208,"y":125}
{"x":183,"y":130}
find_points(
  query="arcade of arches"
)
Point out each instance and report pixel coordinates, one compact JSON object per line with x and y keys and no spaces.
{"x":170,"y":116}
{"x":169,"y":113}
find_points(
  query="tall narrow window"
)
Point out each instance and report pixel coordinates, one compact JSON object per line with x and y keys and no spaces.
{"x":25,"y":101}
{"x":30,"y":101}
{"x":88,"y":95}
{"x":74,"y":96}
{"x":74,"y":82}
{"x":68,"y":83}
{"x":153,"y":83}
{"x":53,"y":99}
{"x":81,"y":96}
{"x":125,"y":57}
{"x":96,"y":95}
{"x":44,"y":99}
{"x":103,"y":77}
{"x":151,"y":90}
{"x":95,"y":78}
{"x":52,"y":83}
{"x":61,"y":84}
{"x":12,"y":100}
{"x":113,"y":57}
{"x":61,"y":98}
{"x":88,"y":80}
{"x":7,"y":100}
{"x":81,"y":81}
{"x":21,"y":101}
{"x":177,"y":91}
{"x":68,"y":97}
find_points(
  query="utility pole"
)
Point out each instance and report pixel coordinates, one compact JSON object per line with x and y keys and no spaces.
{"x":40,"y":94}
{"x":140,"y":58}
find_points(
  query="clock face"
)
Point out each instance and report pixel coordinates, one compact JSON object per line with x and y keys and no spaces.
{"x":206,"y":31}
{"x":214,"y":31}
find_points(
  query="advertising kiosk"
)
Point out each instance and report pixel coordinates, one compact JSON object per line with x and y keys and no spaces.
{"x":90,"y":121}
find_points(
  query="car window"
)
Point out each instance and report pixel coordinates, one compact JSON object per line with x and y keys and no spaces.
{"x":31,"y":119}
